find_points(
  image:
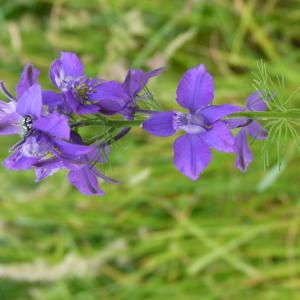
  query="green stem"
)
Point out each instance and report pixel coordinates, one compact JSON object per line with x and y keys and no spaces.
{"x":267,"y":115}
{"x":108,"y":123}
{"x":261,"y":115}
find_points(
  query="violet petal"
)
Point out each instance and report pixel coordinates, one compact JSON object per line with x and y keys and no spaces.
{"x":219,"y":137}
{"x":213,"y":113}
{"x":191,"y":155}
{"x":54,"y":124}
{"x":256,"y":103}
{"x":195,"y":89}
{"x":30,"y":104}
{"x":257,"y":131}
{"x":28,"y":78}
{"x":85,"y":181}
{"x":242,"y":150}
{"x":71,"y":64}
{"x":160,"y":124}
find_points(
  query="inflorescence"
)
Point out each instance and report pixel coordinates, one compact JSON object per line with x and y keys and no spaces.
{"x":49,"y":122}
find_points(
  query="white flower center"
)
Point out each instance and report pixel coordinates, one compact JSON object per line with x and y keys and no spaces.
{"x":190,"y":123}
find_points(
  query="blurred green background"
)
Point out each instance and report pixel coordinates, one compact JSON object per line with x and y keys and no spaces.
{"x":157,"y":235}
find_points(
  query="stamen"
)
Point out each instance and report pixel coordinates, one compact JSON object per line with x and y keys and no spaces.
{"x":190,"y":123}
{"x":84,"y":90}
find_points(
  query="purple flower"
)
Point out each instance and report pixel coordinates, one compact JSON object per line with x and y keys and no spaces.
{"x":43,"y":135}
{"x":81,"y":165}
{"x":113,"y":96}
{"x":67,"y":74}
{"x":67,"y":71}
{"x":82,"y":95}
{"x":85,"y":179}
{"x":40,"y":132}
{"x":202,"y":123}
{"x":47,"y":143}
{"x":249,"y":127}
{"x":49,"y":125}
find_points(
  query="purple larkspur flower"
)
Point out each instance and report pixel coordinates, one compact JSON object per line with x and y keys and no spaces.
{"x":40,"y":133}
{"x":86,"y":177}
{"x":114,"y":96}
{"x":249,"y":127}
{"x":83,"y":174}
{"x":67,"y":74}
{"x":202,"y":123}
{"x":43,"y":134}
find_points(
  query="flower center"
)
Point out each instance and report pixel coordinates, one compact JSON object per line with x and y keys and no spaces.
{"x":190,"y":123}
{"x":36,"y":145}
{"x":84,"y":90}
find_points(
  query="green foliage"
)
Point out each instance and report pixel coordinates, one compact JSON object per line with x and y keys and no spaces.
{"x":156,"y":235}
{"x":278,"y":99}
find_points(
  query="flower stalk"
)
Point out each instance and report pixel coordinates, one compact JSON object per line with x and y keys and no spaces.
{"x":107,"y":123}
{"x":49,"y":121}
{"x":258,"y":115}
{"x":268,"y":115}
